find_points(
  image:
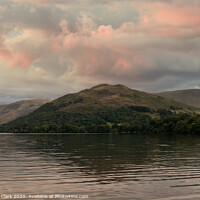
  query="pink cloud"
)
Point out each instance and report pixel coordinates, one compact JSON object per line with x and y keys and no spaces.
{"x":17,"y":59}
{"x":123,"y":63}
{"x":21,"y":60}
{"x":104,"y":31}
{"x":4,"y":53}
{"x":167,"y":19}
{"x":178,"y":16}
{"x":43,"y":1}
{"x":25,"y":49}
{"x":99,"y":51}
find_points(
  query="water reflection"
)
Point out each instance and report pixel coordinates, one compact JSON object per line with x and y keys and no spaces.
{"x":102,"y":166}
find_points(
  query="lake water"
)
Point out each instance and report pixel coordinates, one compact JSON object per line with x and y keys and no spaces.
{"x":102,"y":166}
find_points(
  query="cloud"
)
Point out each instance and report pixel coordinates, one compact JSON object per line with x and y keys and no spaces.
{"x":48,"y":48}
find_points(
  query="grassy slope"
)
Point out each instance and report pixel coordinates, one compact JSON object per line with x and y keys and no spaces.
{"x":190,"y":97}
{"x":12,"y":111}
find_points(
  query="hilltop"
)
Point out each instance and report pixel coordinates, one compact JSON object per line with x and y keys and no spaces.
{"x":190,"y":97}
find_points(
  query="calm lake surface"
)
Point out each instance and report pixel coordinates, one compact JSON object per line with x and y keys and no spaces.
{"x":103,"y":166}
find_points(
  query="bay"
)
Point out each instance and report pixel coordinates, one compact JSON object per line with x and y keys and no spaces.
{"x":102,"y":166}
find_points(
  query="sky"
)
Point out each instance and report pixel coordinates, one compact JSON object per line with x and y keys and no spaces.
{"x":52,"y":47}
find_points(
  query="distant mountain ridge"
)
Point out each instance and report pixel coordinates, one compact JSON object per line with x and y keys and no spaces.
{"x":9,"y":112}
{"x":190,"y":97}
{"x":102,"y":105}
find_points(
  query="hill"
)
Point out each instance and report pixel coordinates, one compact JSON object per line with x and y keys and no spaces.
{"x":98,"y":109}
{"x":12,"y":111}
{"x":114,"y":96}
{"x":190,"y":97}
